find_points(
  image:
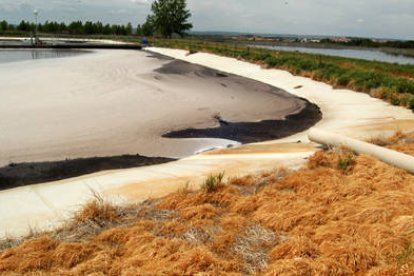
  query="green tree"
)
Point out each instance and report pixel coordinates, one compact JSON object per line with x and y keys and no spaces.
{"x":170,"y":17}
{"x":4,"y":26}
{"x":128,"y":28}
{"x":76,"y":27}
{"x":107,"y":29}
{"x":147,"y":29}
{"x":23,"y":26}
{"x":62,"y":27}
{"x":98,"y":27}
{"x":139,"y":30}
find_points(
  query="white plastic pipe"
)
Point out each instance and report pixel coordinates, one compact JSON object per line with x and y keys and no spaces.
{"x":388,"y":156}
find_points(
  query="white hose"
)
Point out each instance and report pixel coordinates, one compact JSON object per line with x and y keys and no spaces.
{"x":388,"y":156}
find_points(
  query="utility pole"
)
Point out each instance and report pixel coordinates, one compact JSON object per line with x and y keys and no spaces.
{"x":36,"y":39}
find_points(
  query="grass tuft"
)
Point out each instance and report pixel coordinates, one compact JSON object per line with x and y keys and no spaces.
{"x":407,"y":254}
{"x":213,"y":182}
{"x":253,"y":246}
{"x":98,"y":211}
{"x":346,"y":161}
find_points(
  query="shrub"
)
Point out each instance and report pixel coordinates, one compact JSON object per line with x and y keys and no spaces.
{"x":406,"y":254}
{"x":98,"y":211}
{"x":395,"y":100}
{"x":404,"y":86}
{"x":192,"y":51}
{"x":405,"y":99}
{"x":213,"y":182}
{"x":411,"y":105}
{"x":346,"y":161}
{"x":343,"y":80}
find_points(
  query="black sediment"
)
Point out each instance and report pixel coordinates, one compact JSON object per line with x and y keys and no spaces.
{"x":256,"y":131}
{"x":244,"y":132}
{"x":15,"y":175}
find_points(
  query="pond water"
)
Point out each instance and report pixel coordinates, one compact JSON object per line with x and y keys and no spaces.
{"x":366,"y":54}
{"x":12,"y":55}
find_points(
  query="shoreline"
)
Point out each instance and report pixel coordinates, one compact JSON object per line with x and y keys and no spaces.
{"x":366,"y":54}
{"x":387,"y":50}
{"x":250,"y":111}
{"x":255,"y":132}
{"x":66,"y":43}
{"x":22,"y":174}
{"x":91,"y":46}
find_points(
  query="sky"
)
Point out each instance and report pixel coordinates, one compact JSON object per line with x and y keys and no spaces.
{"x":363,"y":18}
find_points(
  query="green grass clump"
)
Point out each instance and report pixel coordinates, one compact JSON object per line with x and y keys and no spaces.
{"x":411,"y":104}
{"x":213,"y":182}
{"x":406,"y":254}
{"x":346,"y":161}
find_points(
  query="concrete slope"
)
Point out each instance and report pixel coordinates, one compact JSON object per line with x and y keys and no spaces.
{"x":344,"y":111}
{"x":45,"y":206}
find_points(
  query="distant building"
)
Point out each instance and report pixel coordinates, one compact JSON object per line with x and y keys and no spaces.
{"x":341,"y":39}
{"x":310,"y":40}
{"x":380,"y":40}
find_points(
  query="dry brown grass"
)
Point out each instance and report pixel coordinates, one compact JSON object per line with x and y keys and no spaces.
{"x":325,"y":219}
{"x":399,"y":142}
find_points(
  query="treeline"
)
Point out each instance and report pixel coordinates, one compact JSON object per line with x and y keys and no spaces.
{"x":74,"y":28}
{"x":366,"y":42}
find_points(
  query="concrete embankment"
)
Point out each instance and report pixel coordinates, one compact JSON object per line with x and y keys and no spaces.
{"x":65,"y":43}
{"x":92,"y":46}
